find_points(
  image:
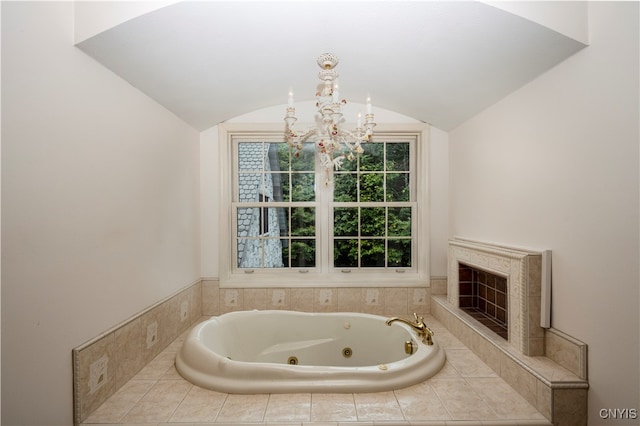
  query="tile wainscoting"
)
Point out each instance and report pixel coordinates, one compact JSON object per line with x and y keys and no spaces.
{"x":555,"y":385}
{"x":378,"y":300}
{"x":105,"y":363}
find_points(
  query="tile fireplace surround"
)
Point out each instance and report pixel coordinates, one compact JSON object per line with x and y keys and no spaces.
{"x":523,"y":270}
{"x":546,"y":366}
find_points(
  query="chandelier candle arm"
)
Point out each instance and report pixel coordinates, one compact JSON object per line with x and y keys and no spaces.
{"x":333,"y":144}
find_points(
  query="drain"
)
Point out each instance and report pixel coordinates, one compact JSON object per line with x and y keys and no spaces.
{"x":292,"y":360}
{"x":347,"y":352}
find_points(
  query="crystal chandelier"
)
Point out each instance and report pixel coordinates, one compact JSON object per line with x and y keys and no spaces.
{"x":333,"y":143}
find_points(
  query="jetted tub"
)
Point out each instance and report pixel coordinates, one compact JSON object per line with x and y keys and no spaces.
{"x":286,"y":351}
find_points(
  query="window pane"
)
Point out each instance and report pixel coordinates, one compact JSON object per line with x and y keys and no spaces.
{"x":284,"y":156}
{"x":303,"y":188}
{"x":399,"y":254}
{"x":249,"y":253}
{"x":249,"y":186}
{"x":272,"y":253}
{"x":372,"y":187}
{"x":373,"y":254}
{"x":302,"y":253}
{"x":398,"y":157}
{"x":373,"y":157}
{"x":400,"y":221}
{"x":350,"y":165}
{"x":244,"y":219}
{"x":345,"y":253}
{"x":281,"y":190}
{"x":345,"y":187}
{"x":255,"y":226}
{"x":372,"y":221}
{"x":345,"y":221}
{"x":303,"y":221}
{"x":304,"y":160}
{"x":251,"y":156}
{"x":259,"y":253}
{"x":398,"y":188}
{"x":281,"y":224}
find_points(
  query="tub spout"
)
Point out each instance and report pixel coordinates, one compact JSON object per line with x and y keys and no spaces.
{"x":418,"y":325}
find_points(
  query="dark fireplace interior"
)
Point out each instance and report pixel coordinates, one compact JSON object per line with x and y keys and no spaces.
{"x":483,"y":295}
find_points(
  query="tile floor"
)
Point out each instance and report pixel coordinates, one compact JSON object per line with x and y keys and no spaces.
{"x":465,"y":392}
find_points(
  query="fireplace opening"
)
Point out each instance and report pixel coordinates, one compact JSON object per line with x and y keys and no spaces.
{"x":483,"y":295}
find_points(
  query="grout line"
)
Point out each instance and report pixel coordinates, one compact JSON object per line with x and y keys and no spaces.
{"x":481,"y":398}
{"x":441,"y":401}
{"x":266,"y":406}
{"x":179,"y":404}
{"x":404,"y":417}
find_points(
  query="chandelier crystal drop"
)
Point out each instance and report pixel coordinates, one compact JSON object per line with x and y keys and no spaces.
{"x":333,"y":143}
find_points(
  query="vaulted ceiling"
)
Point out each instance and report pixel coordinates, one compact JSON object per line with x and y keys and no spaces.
{"x":438,"y":62}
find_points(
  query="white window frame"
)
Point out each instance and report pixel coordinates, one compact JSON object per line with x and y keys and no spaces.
{"x":324,"y":275}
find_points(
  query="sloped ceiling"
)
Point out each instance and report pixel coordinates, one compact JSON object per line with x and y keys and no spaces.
{"x":438,"y":62}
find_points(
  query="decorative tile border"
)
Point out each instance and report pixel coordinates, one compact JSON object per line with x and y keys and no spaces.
{"x":104,"y":364}
{"x":376,"y":300}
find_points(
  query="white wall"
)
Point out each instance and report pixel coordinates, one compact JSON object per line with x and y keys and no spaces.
{"x":99,"y":207}
{"x":210,"y":179}
{"x":556,"y":165}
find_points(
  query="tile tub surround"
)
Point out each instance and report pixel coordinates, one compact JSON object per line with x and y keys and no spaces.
{"x":556,"y":384}
{"x":523,"y":270}
{"x":106,"y":363}
{"x":386,"y":301}
{"x":466,"y":391}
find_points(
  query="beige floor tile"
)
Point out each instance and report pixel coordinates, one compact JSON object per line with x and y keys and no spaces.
{"x":377,"y":406}
{"x":420,"y":402}
{"x":447,"y":372}
{"x":332,"y":407}
{"x":172,"y":374}
{"x":468,"y":364}
{"x":503,"y":400}
{"x":288,"y":407}
{"x":157,"y":367}
{"x":116,"y":407}
{"x":159,"y":403}
{"x":461,"y":401}
{"x":199,"y":405}
{"x":243,"y":408}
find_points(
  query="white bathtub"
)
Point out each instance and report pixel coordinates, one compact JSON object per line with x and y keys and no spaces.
{"x":249,"y":352}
